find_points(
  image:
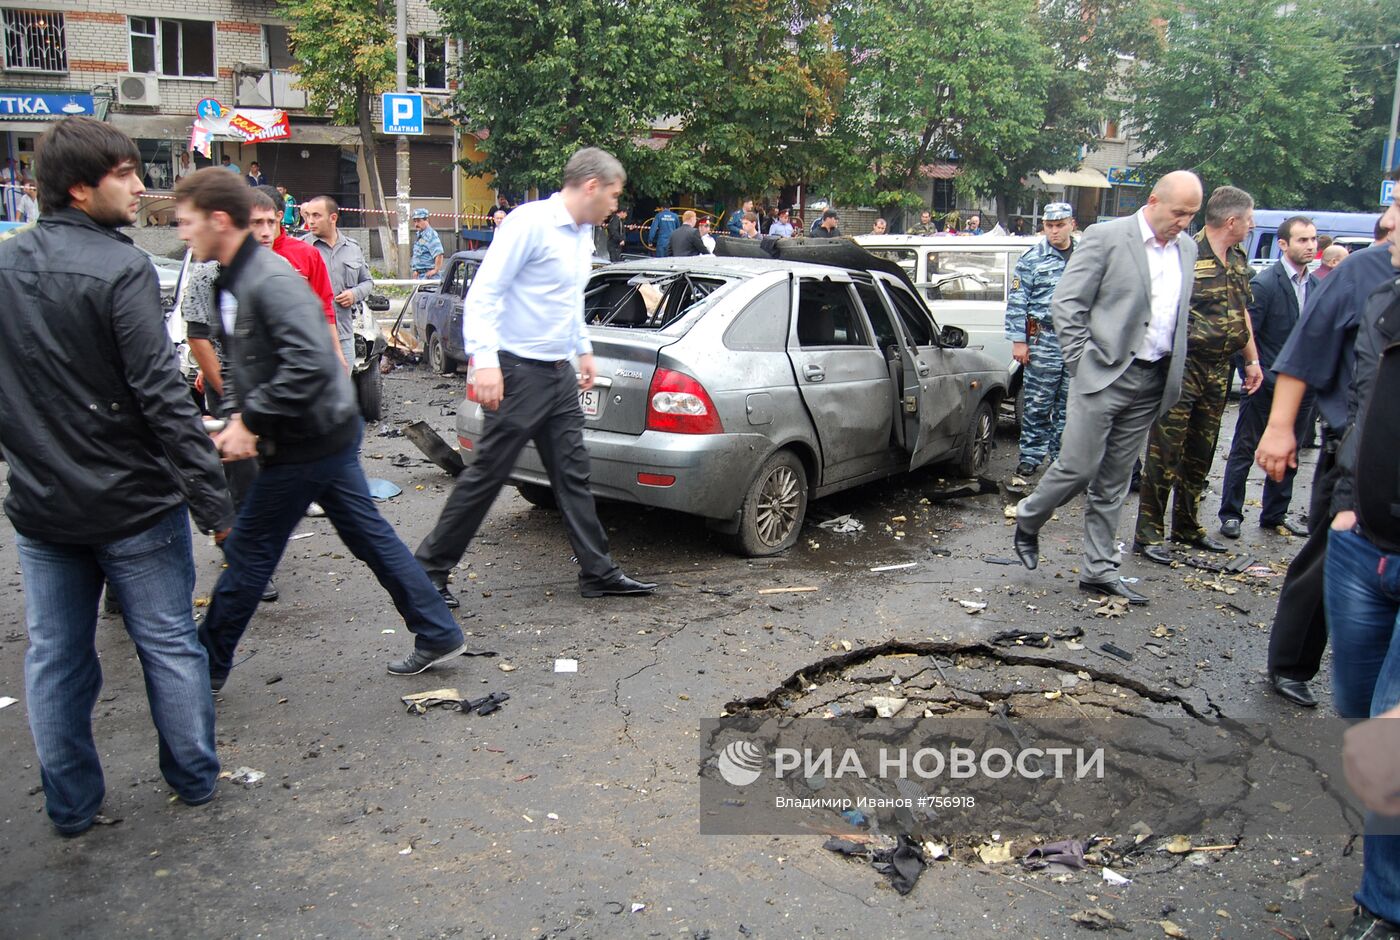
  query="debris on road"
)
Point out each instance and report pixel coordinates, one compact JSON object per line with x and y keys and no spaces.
{"x":886,"y":706}
{"x":566,"y":665}
{"x":994,"y":853}
{"x":6,"y":701}
{"x":506,"y":667}
{"x":1067,"y":852}
{"x":1112,"y":877}
{"x":381,"y":490}
{"x":972,"y":607}
{"x":906,"y":565}
{"x":246,"y":776}
{"x":846,"y":523}
{"x":788,"y":590}
{"x":1112,"y":607}
{"x":419,"y":702}
{"x":902,"y":865}
{"x":1118,"y":651}
{"x":1039,"y":640}
{"x":434,"y":447}
{"x":484,"y":705}
{"x":1172,"y":930}
{"x":1096,"y":918}
{"x":999,"y":560}
{"x":301,"y":535}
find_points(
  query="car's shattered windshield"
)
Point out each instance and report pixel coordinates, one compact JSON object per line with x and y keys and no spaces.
{"x":646,"y":301}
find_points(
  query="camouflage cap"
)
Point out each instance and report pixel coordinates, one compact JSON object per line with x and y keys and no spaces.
{"x":420,"y":213}
{"x":1057,"y":212}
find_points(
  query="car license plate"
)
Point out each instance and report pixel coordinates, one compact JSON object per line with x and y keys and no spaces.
{"x":588,"y":402}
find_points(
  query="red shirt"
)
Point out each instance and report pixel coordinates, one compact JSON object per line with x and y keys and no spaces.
{"x":309,"y":264}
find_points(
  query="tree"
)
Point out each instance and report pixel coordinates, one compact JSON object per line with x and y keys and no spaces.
{"x":1093,"y":49}
{"x":345,"y":53}
{"x":933,"y":79}
{"x":545,"y":78}
{"x":1370,"y":43}
{"x":760,"y":81}
{"x":1249,"y":94}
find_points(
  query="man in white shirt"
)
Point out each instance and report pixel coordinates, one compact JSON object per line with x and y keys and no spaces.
{"x":1120,"y":311}
{"x":523,"y":321}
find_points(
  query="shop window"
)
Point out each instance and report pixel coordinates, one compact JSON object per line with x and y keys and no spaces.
{"x":34,"y":41}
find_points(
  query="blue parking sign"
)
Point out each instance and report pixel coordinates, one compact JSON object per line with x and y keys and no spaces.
{"x":403,"y":114}
{"x":1387,"y":192}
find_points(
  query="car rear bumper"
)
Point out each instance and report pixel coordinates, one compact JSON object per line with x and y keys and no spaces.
{"x":701,"y":474}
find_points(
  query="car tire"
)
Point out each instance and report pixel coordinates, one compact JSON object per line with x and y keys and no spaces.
{"x":369,"y":389}
{"x":774,"y":507}
{"x":977,"y":444}
{"x":541,"y":497}
{"x":438,"y":360}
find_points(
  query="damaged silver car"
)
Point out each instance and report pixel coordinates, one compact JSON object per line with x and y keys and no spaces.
{"x":739,"y":388}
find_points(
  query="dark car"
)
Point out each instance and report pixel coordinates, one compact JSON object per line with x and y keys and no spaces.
{"x":437,"y":311}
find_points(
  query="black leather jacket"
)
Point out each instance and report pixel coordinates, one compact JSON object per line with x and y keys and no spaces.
{"x":290,"y":387}
{"x":96,"y":423}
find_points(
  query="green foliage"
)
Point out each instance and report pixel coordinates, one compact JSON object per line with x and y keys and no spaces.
{"x":545,"y":78}
{"x":344,"y":50}
{"x":1249,"y":94}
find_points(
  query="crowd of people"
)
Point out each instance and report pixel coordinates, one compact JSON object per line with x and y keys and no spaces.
{"x":1129,"y":336}
{"x":1130,"y":339}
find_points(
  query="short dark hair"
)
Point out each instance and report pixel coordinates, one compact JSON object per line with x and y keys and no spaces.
{"x":266,"y":197}
{"x":266,"y":201}
{"x":332,"y":207}
{"x":224,"y":158}
{"x":254,"y":163}
{"x":1285,"y":229}
{"x":751,"y":217}
{"x":830,"y":214}
{"x":214,"y":189}
{"x":78,"y":151}
{"x":1323,"y":242}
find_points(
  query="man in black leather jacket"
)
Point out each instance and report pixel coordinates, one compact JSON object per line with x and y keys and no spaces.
{"x":295,"y":409}
{"x":106,"y":459}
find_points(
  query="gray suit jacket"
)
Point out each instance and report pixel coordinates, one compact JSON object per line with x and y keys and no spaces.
{"x":1103,"y":304}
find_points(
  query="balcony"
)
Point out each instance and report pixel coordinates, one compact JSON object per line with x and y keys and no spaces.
{"x":257,"y":87}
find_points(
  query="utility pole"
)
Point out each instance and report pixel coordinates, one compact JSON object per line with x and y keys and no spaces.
{"x":401,"y":148}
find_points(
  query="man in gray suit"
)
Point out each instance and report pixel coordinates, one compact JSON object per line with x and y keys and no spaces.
{"x":1120,"y":312}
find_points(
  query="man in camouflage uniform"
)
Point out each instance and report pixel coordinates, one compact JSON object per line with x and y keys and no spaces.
{"x":924,"y":226}
{"x":1182,"y":443}
{"x":1045,"y":389}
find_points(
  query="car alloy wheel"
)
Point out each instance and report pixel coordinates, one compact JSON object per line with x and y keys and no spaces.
{"x":779,"y":502}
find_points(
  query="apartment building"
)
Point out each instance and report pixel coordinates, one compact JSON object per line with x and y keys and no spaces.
{"x":144,"y":66}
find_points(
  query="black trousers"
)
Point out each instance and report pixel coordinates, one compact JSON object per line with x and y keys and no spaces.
{"x":541,"y":405}
{"x":1299,"y":634}
{"x":1249,"y":427}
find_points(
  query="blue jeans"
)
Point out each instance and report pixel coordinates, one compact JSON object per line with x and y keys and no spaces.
{"x":1363,"y":611}
{"x":273,"y":508}
{"x":152,"y":575}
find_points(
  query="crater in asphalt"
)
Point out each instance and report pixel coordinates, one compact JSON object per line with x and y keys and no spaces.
{"x":1058,"y":749}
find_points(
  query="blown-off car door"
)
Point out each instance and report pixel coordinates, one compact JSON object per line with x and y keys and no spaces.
{"x":932,"y":376}
{"x":454,"y":292}
{"x":844,"y":380}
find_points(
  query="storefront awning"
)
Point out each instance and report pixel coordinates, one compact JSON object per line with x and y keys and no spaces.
{"x":177,"y":127}
{"x":939,"y":170}
{"x":1084,"y":177}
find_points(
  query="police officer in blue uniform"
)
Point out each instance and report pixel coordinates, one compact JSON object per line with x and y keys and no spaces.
{"x":1045,"y":388}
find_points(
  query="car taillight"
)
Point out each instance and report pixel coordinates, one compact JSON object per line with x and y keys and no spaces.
{"x":679,"y":404}
{"x":471,"y":380}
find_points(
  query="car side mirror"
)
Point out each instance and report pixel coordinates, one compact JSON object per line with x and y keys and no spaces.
{"x":377,"y":302}
{"x":953,"y":337}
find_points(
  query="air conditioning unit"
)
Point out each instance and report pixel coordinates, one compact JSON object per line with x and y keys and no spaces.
{"x":139,"y":89}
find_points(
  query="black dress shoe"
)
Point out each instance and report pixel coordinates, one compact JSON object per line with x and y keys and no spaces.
{"x":1114,"y":588}
{"x":1027,"y":545}
{"x":270,"y":592}
{"x":1205,"y":542}
{"x":419,"y":660}
{"x":1155,"y":551}
{"x":1295,"y":690}
{"x":448,"y":597}
{"x":1285,"y":527}
{"x":617,"y":585}
{"x":1230,"y":528}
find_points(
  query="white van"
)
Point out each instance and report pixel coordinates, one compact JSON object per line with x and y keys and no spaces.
{"x":965,"y":279}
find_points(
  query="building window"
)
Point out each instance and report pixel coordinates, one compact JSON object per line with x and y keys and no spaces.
{"x":279,"y":50}
{"x":427,"y":62}
{"x":177,"y":48}
{"x":34,"y":41}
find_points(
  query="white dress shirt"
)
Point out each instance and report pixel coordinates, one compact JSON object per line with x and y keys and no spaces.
{"x":1299,"y":280}
{"x":527,"y":297}
{"x":1164,"y":267}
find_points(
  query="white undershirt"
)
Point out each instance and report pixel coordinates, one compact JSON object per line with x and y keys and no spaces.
{"x":1164,"y":268}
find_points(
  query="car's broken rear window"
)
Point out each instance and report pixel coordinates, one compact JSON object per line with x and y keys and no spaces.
{"x":646,"y":301}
